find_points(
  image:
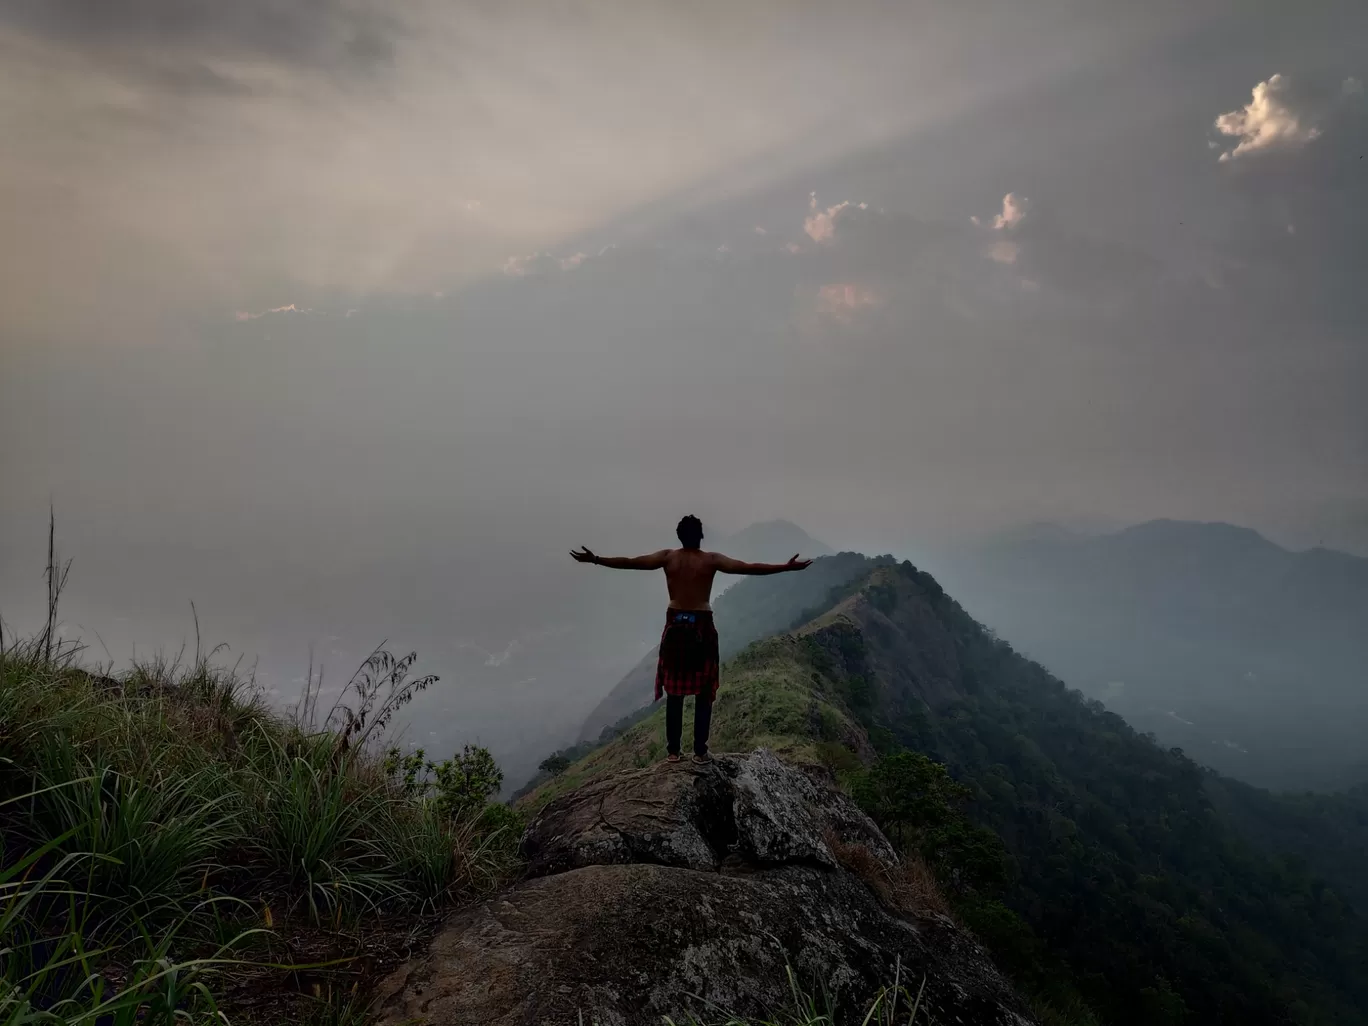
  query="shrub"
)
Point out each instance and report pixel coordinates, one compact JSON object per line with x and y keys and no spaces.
{"x":554,"y":765}
{"x":909,"y":886}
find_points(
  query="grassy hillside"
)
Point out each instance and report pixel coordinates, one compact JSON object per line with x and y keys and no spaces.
{"x":774,"y":696}
{"x":1126,"y":892}
{"x":171,"y":850}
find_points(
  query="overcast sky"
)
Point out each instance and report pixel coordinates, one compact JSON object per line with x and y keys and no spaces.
{"x":339,"y":304}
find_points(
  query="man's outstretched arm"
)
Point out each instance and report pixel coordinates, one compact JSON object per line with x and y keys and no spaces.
{"x":727,"y":565}
{"x":655,"y":561}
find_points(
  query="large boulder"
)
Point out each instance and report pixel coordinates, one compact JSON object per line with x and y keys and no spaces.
{"x":681,"y":889}
{"x":752,"y":808}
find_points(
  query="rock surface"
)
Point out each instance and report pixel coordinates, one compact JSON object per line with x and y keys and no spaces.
{"x":680,"y":889}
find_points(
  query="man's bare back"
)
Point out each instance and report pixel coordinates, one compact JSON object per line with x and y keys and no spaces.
{"x":688,"y":662}
{"x":689,"y":572}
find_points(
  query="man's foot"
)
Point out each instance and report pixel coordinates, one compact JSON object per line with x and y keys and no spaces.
{"x":672,"y":757}
{"x":701,"y":759}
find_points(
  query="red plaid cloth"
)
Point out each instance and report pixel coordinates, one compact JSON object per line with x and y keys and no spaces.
{"x":688,"y":662}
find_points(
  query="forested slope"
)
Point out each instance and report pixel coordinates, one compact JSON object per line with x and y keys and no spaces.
{"x":1123,"y":892}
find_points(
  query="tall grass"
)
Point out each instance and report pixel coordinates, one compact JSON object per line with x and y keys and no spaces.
{"x":893,"y":1005}
{"x":160,"y":827}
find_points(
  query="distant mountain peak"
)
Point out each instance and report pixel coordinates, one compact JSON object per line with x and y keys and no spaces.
{"x":1168,"y":525}
{"x":1206,"y":532}
{"x":772,"y":541}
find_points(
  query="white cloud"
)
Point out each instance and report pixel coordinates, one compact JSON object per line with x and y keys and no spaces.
{"x":820,"y":225}
{"x":243,"y":315}
{"x":1004,"y":250}
{"x":1267,"y":123}
{"x":1013,"y":211}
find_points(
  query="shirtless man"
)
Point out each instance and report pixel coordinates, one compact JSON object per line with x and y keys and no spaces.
{"x":688,"y":663}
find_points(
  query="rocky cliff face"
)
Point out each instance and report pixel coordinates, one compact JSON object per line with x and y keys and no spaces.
{"x":682,"y":889}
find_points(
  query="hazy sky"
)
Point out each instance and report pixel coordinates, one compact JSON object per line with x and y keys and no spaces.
{"x":329,"y":311}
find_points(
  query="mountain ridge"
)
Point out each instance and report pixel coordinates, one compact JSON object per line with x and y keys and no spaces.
{"x":1125,"y":880}
{"x":772,"y":541}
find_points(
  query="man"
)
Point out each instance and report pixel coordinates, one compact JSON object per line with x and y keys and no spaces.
{"x":688,"y":662}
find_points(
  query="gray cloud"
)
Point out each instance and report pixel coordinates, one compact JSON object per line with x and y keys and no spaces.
{"x":1287,"y":116}
{"x":178,"y":40}
{"x":1304,"y":204}
{"x":174,"y":156}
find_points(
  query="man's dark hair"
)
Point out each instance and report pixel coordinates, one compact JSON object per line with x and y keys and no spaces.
{"x":690,"y":532}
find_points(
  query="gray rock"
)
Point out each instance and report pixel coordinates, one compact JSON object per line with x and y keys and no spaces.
{"x":753,"y":807}
{"x":675,"y":815}
{"x":684,"y":889}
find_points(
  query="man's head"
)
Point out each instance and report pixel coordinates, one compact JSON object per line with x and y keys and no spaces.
{"x":690,"y":532}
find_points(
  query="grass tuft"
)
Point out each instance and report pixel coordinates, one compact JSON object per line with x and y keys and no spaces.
{"x":893,"y":1005}
{"x":909,"y":886}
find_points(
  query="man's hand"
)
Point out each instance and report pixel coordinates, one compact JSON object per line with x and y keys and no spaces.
{"x":797,"y":564}
{"x":654,"y":561}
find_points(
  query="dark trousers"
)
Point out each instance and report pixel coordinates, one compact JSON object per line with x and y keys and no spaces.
{"x":674,"y":723}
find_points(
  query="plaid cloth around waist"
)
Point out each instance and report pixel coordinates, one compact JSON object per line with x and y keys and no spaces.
{"x":688,"y":663}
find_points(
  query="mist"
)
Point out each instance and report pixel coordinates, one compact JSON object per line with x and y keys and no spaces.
{"x":347,"y":321}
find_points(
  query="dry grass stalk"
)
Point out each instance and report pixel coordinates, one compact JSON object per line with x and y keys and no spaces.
{"x":909,"y":886}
